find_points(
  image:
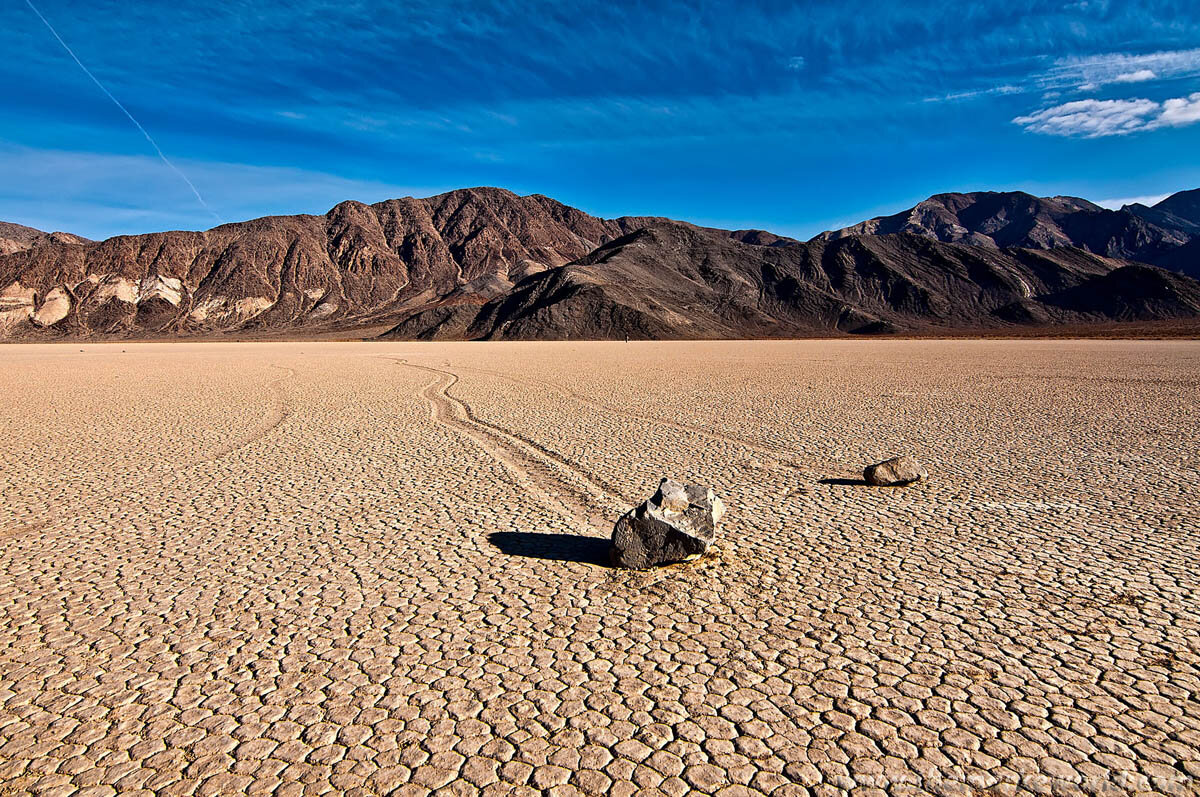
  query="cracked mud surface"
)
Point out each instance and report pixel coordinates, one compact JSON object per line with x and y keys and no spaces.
{"x":378,"y":568}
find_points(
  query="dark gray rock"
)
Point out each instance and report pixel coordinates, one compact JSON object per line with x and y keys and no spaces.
{"x":679,"y":522}
{"x":895,"y":472}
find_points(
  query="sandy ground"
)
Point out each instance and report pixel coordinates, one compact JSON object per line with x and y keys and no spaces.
{"x":373,"y":568}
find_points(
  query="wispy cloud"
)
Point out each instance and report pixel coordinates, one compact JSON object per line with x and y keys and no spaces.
{"x":1099,"y":118}
{"x":1092,"y":72}
{"x":1089,"y":74}
{"x":1091,"y":118}
{"x":1139,"y":76}
{"x":973,"y":93}
{"x":1119,"y":202}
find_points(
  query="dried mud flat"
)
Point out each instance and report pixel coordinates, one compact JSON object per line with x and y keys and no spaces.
{"x":322,"y":568}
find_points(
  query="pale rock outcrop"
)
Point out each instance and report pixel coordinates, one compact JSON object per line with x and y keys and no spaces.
{"x":16,"y":305}
{"x":168,"y":289}
{"x":116,"y":288}
{"x":55,"y":307}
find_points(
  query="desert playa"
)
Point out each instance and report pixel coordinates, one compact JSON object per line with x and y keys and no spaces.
{"x":374,"y":568}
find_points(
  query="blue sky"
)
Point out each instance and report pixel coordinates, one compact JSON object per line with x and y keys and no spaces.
{"x":794,"y":117}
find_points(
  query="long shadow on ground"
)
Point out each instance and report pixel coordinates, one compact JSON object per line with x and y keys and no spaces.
{"x":554,"y":547}
{"x":845,"y":482}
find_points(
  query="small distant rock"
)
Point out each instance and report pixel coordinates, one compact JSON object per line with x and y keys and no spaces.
{"x":679,"y":522}
{"x":895,"y":472}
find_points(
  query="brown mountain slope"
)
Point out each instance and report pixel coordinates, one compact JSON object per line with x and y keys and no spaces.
{"x":349,"y":267}
{"x":1004,"y":219}
{"x":486,"y":263}
{"x":18,"y":237}
{"x":672,"y":280}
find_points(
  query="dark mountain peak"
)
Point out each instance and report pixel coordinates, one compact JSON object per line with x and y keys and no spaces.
{"x":344,"y":208}
{"x":1184,"y":204}
{"x":762,"y":238}
{"x":1000,"y":200}
{"x":479,"y":192}
{"x":1000,"y":219}
{"x":1179,"y":211}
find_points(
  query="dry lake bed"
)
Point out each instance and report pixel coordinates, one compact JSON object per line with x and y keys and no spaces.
{"x":327,"y":568}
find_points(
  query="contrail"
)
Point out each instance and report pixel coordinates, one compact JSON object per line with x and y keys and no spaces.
{"x":117,"y":103}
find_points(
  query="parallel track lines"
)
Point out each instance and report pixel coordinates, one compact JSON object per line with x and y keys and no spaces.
{"x":776,"y":454}
{"x":585,"y":502}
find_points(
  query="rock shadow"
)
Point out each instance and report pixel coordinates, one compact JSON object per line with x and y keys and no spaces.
{"x":845,"y":482}
{"x":553,"y":547}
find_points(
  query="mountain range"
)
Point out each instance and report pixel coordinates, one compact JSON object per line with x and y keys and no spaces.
{"x":484,"y":263}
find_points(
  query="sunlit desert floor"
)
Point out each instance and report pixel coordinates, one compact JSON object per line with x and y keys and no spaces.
{"x":313,"y":568}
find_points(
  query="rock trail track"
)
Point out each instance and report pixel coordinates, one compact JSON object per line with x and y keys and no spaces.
{"x":277,"y":412}
{"x":296,"y":569}
{"x":778,"y":455}
{"x":560,"y":486}
{"x":598,"y":484}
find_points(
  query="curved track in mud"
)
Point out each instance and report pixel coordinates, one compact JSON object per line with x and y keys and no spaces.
{"x":583,"y":500}
{"x":776,"y":454}
{"x":277,"y":413}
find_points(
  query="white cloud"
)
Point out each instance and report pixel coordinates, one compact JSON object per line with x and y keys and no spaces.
{"x":1098,"y":118}
{"x":1091,"y":118}
{"x":1138,"y":76}
{"x":1119,"y":202}
{"x":796,"y":63}
{"x":1181,"y":111}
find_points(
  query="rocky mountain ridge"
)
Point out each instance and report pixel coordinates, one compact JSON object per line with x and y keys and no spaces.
{"x":486,"y":263}
{"x":18,"y":238}
{"x":1016,"y":219}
